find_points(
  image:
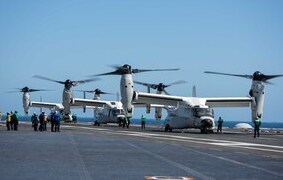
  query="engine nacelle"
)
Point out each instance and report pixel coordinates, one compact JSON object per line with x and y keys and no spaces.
{"x":257,"y":93}
{"x":26,"y":102}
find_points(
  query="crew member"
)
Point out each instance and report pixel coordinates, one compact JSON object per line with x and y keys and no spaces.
{"x":125,"y":122}
{"x":11,"y":123}
{"x":143,"y":120}
{"x":57,"y":122}
{"x":220,"y":123}
{"x":34,"y":121}
{"x":257,"y":123}
{"x":15,"y":120}
{"x":8,"y":121}
{"x":41,"y":121}
{"x":45,"y":122}
{"x":52,"y":120}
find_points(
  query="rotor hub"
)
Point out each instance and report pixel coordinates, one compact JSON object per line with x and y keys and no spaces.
{"x":258,"y":76}
{"x":25,"y":89}
{"x":161,"y":87}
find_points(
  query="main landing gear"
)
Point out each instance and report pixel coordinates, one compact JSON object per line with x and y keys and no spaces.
{"x":168,"y":128}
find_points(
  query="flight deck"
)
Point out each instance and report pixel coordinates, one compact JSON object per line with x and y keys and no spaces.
{"x":84,"y":151}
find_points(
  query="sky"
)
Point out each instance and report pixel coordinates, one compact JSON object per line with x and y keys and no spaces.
{"x":72,"y":39}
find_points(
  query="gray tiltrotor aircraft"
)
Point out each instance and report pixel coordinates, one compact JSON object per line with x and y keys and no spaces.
{"x":160,"y":90}
{"x":127,"y":85}
{"x":104,"y":111}
{"x":27,"y":103}
{"x":67,"y":94}
{"x":197,"y":112}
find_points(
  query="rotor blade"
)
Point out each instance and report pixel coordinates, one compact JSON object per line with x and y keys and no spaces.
{"x":238,"y":75}
{"x":267,"y":77}
{"x":146,"y":70}
{"x":48,"y":79}
{"x":115,"y":66}
{"x":166,"y":92}
{"x":177,"y":82}
{"x":109,"y":73}
{"x":85,"y":91}
{"x":106,"y":93}
{"x":153,"y":86}
{"x":75,"y":83}
{"x":13,"y":91}
{"x":268,"y":82}
{"x":33,"y":90}
{"x":28,"y":90}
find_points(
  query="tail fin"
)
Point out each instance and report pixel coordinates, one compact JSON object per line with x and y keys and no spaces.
{"x":194,"y":91}
{"x":84,"y":107}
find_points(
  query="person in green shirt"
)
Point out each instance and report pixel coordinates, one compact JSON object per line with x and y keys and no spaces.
{"x":220,"y":123}
{"x":257,"y":123}
{"x":143,"y":120}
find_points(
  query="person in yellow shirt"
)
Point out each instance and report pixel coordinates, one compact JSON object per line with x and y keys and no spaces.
{"x":8,"y":121}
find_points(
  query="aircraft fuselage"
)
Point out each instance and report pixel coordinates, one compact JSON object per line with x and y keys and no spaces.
{"x":190,"y":117}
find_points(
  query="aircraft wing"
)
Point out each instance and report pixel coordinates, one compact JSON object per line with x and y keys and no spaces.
{"x":229,"y":102}
{"x":143,"y":105}
{"x":148,"y":98}
{"x":88,"y":102}
{"x":46,"y":105}
{"x":169,"y":100}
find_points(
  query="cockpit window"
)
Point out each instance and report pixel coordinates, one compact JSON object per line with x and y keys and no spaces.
{"x":203,"y":112}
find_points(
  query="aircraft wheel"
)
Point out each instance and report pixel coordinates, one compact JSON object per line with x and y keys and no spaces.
{"x":96,"y":123}
{"x":203,"y":129}
{"x":167,"y":127}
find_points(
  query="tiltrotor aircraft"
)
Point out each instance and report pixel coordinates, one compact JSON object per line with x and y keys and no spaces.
{"x":27,"y":103}
{"x":104,"y":111}
{"x":64,"y":107}
{"x":127,"y":85}
{"x":160,"y":90}
{"x":197,"y":112}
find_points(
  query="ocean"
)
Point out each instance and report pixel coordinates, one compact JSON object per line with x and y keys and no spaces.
{"x":228,"y":124}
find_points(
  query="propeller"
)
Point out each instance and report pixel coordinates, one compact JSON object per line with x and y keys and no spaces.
{"x":127,"y":69}
{"x":160,"y":86}
{"x":68,"y":83}
{"x":27,"y":89}
{"x":96,"y":91}
{"x":257,"y":76}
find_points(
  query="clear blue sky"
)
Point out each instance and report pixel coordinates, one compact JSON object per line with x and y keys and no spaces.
{"x":75,"y":39}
